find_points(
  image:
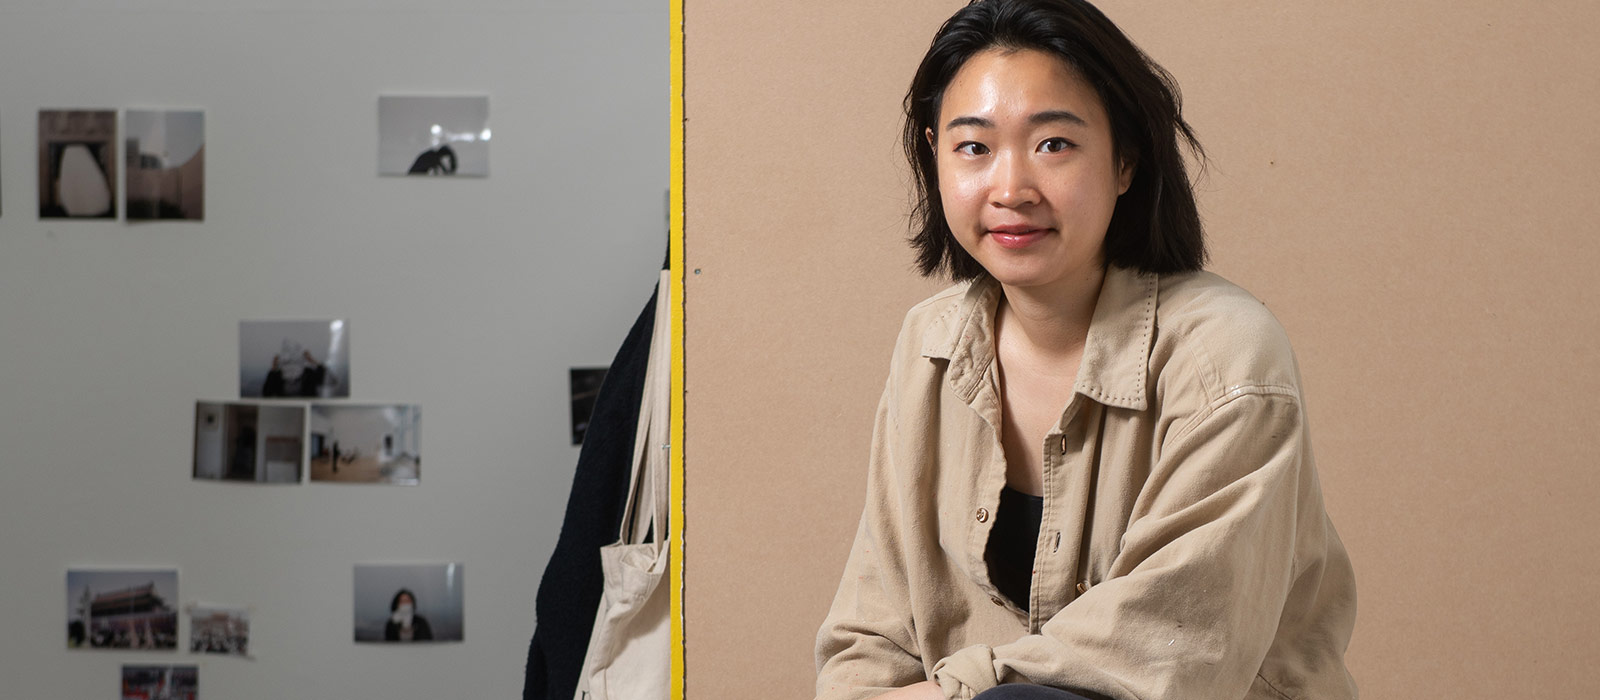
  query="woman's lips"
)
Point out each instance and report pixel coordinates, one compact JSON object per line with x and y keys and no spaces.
{"x":1015,"y":237}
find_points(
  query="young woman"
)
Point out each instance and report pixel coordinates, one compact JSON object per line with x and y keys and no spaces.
{"x":1091,"y":474}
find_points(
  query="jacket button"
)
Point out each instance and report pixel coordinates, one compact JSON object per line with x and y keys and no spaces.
{"x":983,"y":515}
{"x":1083,"y":587}
{"x":996,"y":601}
{"x":1063,"y":443}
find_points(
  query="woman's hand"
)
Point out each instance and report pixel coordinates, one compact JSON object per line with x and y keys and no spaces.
{"x":926,"y":690}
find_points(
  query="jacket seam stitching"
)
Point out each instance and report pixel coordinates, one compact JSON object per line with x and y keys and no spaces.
{"x":1273,"y":688}
{"x":1233,"y":394}
{"x":1147,"y":324}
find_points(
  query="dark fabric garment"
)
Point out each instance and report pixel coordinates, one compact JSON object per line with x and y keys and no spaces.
{"x":421,"y":631}
{"x":1012,"y":543}
{"x":1024,"y":691}
{"x":306,"y":385}
{"x":569,"y":592}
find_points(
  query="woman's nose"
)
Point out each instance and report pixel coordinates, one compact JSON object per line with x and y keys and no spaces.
{"x":1013,"y":184}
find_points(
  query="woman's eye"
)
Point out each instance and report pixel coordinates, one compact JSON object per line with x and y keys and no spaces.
{"x":972,"y":148}
{"x":1055,"y":145}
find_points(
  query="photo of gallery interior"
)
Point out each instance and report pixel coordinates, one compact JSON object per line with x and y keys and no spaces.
{"x":248,"y":442}
{"x":366,"y":444}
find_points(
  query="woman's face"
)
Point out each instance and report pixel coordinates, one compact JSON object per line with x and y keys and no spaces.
{"x":405,"y":599}
{"x":1027,"y":173}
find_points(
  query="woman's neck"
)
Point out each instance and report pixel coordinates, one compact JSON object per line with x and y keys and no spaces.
{"x":1050,"y":321}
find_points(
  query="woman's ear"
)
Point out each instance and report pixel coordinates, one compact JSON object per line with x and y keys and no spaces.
{"x":1125,"y":172}
{"x":928,"y":134}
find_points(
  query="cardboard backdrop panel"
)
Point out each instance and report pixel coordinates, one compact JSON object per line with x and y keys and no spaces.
{"x":469,"y":297}
{"x":1409,"y":187}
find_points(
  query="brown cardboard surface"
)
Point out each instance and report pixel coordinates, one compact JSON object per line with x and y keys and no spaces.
{"x":1409,"y":186}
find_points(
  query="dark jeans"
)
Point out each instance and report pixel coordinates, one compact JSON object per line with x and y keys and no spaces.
{"x":1024,"y":691}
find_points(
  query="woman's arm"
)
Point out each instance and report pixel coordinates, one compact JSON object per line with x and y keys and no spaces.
{"x":865,"y":647}
{"x":1229,"y":525}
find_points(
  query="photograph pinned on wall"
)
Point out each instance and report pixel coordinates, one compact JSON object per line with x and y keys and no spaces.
{"x":164,"y":176}
{"x":149,"y":682}
{"x":294,"y":359}
{"x":366,"y":443}
{"x":585,"y":383}
{"x":122,"y":609}
{"x":219,"y":629}
{"x":77,"y":157}
{"x":433,"y":136}
{"x":408,"y":602}
{"x":253,"y":442}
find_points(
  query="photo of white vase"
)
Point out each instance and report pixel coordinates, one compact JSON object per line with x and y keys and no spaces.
{"x":81,"y":185}
{"x":77,"y":157}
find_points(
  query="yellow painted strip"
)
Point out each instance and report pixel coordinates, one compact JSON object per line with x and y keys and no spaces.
{"x":675,"y":262}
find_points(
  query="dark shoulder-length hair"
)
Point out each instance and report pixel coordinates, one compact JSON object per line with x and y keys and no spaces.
{"x":1155,"y":226}
{"x":394,"y":603}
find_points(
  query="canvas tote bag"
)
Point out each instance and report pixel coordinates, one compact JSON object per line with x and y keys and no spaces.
{"x":629,"y":654}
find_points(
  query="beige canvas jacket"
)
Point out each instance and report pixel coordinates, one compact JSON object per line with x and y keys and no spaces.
{"x":1184,"y":552}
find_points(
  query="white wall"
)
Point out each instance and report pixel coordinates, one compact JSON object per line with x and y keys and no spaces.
{"x":468,"y":297}
{"x":363,"y":429}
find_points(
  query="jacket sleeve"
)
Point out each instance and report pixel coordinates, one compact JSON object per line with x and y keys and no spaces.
{"x":1193,"y":600}
{"x":865,"y":646}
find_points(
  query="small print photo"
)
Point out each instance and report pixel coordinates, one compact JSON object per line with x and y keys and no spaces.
{"x":294,"y":359}
{"x":408,"y":602}
{"x":216,"y":629}
{"x":144,"y":682}
{"x":122,"y":609}
{"x":257,"y":442}
{"x":366,"y":444}
{"x":165,"y":173}
{"x":433,"y":136}
{"x":585,"y":382}
{"x":77,"y":157}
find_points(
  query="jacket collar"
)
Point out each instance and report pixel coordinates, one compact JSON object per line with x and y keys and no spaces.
{"x":1116,"y":355}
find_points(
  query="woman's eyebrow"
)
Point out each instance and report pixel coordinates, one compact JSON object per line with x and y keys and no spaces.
{"x":1046,"y":117}
{"x":979,"y":122}
{"x":1057,"y":115}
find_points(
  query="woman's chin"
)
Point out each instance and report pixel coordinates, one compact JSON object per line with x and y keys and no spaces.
{"x":1024,"y":276}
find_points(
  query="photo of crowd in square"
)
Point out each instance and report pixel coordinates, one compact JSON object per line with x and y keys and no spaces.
{"x":215,"y":629}
{"x":122,"y":609}
{"x":146,"y":682}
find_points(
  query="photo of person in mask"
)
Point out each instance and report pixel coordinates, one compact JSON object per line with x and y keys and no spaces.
{"x":405,"y":625}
